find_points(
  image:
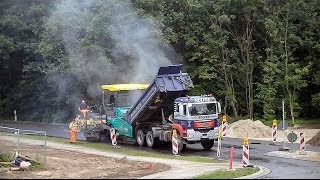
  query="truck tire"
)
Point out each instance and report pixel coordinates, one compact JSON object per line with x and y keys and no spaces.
{"x":89,"y":139}
{"x":105,"y":136}
{"x":181,"y":146}
{"x":207,"y":144}
{"x":151,"y":140}
{"x":141,"y":138}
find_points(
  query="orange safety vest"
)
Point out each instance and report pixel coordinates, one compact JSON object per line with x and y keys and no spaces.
{"x":73,"y":132}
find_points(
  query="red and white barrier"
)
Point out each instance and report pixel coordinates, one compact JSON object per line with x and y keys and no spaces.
{"x":113,"y":137}
{"x":245,"y":155}
{"x":224,"y":128}
{"x":274,"y":133}
{"x":174,"y":142}
{"x":302,"y":144}
{"x":224,"y":125}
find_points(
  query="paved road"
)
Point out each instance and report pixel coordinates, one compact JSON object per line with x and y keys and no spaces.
{"x":280,"y":167}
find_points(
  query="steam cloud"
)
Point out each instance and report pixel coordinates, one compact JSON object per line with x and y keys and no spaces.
{"x":112,"y":44}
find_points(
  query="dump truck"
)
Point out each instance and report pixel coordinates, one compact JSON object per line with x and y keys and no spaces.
{"x":147,"y":114}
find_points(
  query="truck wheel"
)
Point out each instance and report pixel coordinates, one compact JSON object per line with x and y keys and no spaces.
{"x":181,"y":146}
{"x":140,"y":138}
{"x":151,"y":140}
{"x":207,"y":144}
{"x":105,"y":136}
{"x":89,"y":139}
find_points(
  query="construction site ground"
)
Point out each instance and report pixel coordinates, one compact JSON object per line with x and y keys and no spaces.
{"x":76,"y":162}
{"x":64,"y":163}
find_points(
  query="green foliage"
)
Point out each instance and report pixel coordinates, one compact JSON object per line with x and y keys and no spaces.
{"x":250,"y":54}
{"x":6,"y":156}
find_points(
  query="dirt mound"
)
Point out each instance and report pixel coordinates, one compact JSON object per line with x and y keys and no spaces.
{"x":257,"y":130}
{"x":248,"y":128}
{"x":315,"y":140}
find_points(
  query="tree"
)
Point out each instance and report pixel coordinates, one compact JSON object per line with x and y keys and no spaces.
{"x":245,"y":34}
{"x":21,"y":25}
{"x":284,"y":40}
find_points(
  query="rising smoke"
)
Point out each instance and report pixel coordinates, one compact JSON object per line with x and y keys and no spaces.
{"x":106,"y":42}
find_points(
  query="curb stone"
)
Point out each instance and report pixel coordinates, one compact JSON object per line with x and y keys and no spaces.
{"x":262,"y":172}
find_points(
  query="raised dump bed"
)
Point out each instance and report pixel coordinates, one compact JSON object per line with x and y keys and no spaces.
{"x":169,"y":84}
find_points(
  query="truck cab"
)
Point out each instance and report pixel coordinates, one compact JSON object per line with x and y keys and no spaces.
{"x":196,"y":119}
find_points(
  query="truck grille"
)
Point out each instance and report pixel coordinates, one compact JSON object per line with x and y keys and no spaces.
{"x":203,"y":130}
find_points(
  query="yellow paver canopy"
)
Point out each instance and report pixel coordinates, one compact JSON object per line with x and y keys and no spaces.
{"x":124,"y":87}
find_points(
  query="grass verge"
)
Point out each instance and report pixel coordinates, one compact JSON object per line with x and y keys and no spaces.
{"x":228,"y":174}
{"x":124,"y":150}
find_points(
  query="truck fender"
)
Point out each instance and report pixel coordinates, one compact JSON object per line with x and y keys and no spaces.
{"x":180,"y":129}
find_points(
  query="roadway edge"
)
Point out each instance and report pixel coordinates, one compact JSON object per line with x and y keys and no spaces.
{"x":262,"y":172}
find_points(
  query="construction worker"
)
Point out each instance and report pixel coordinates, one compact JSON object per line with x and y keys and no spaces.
{"x":73,"y":132}
{"x":83,"y":108}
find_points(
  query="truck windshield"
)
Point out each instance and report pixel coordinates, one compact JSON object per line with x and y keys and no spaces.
{"x":202,"y":109}
{"x":128,"y":98}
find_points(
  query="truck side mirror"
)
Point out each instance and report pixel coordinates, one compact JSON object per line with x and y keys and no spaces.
{"x":219,"y":108}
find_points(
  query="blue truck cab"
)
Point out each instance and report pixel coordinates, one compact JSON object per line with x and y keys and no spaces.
{"x":196,"y":118}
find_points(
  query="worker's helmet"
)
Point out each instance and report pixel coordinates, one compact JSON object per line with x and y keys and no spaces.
{"x":83,"y":101}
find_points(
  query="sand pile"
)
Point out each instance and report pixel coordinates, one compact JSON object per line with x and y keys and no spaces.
{"x":254,"y":129}
{"x":257,"y":130}
{"x":315,"y":140}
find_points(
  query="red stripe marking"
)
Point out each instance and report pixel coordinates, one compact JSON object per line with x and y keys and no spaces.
{"x":245,"y":155}
{"x":174,"y":144}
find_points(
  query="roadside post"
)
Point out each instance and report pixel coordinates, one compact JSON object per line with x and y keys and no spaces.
{"x":224,"y":125}
{"x":284,"y":127}
{"x":219,"y":144}
{"x":302,"y":144}
{"x":245,"y":155}
{"x":174,"y":142}
{"x":15,"y":115}
{"x":231,"y":157}
{"x":17,"y":132}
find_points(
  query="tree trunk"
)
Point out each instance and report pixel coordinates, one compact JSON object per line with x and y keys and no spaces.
{"x":291,"y":107}
{"x":229,"y":86}
{"x":286,"y":66}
